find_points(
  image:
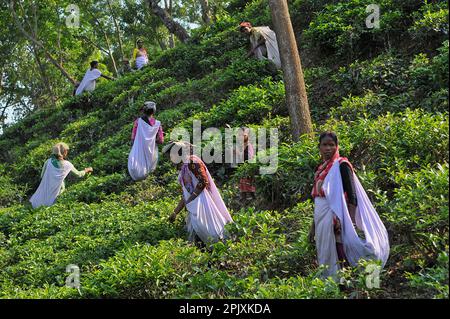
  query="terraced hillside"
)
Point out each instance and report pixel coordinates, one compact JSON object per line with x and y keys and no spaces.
{"x":385,"y":92}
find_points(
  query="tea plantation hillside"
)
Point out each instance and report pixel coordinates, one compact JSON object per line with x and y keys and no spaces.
{"x":384,"y":91}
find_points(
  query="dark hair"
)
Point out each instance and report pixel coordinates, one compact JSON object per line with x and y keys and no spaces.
{"x":330,"y":134}
{"x":94,"y":63}
{"x":148,"y":112}
{"x":180,"y":149}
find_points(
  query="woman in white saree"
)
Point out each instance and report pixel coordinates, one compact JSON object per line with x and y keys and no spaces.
{"x":147,"y":132}
{"x":207,"y":213}
{"x":341,"y":208}
{"x":264,"y":44}
{"x":54,"y":171}
{"x":89,"y":80}
{"x":140,"y":55}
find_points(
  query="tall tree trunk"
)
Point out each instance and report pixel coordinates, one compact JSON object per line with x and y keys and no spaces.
{"x":110,"y":54}
{"x":206,"y":15}
{"x":43,"y":74}
{"x":171,"y":36}
{"x":160,"y":40}
{"x":296,"y":97}
{"x":168,"y":5}
{"x":59,"y":47}
{"x":162,"y":44}
{"x":1,"y":80}
{"x":41,"y":67}
{"x":173,"y":26}
{"x":39,"y":44}
{"x":117,"y":27}
{"x":108,"y":51}
{"x":171,"y":41}
{"x":89,"y":41}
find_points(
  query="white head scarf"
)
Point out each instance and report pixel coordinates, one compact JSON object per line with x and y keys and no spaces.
{"x":59,"y":149}
{"x":149,"y":105}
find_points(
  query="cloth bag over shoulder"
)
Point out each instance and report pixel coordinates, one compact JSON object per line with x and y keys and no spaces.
{"x":143,"y":157}
{"x":51,"y":183}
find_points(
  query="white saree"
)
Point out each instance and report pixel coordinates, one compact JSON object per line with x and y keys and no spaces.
{"x":88,"y":82}
{"x":143,"y":156}
{"x":207,"y":213}
{"x":375,"y":245}
{"x":141,"y":61}
{"x":51,"y":184}
{"x":271,"y":45}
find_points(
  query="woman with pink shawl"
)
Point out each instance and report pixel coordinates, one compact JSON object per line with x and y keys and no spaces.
{"x":207,"y":213}
{"x":341,"y":208}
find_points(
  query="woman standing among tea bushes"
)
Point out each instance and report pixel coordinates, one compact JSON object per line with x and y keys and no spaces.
{"x":341,"y":206}
{"x":147,"y":132}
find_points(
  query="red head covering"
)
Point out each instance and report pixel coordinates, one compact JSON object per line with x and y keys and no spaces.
{"x":245,"y":24}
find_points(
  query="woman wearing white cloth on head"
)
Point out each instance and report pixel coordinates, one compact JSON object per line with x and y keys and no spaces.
{"x":89,"y":79}
{"x":147,"y":132}
{"x":207,"y":213}
{"x":54,"y":171}
{"x":341,"y":208}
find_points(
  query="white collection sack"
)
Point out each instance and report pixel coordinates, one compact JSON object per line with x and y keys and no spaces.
{"x":143,"y":157}
{"x":141,"y":61}
{"x":51,"y":184}
{"x":271,"y":44}
{"x":208,"y":214}
{"x":88,"y":82}
{"x":376,"y":242}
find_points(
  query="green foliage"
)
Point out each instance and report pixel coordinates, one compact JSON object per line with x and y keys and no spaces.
{"x":354,"y":107}
{"x":432,"y":281}
{"x":340,"y":28}
{"x":418,"y":211}
{"x":429,"y":73}
{"x":10,"y":193}
{"x":248,"y":104}
{"x":430,"y":24}
{"x":94,"y":189}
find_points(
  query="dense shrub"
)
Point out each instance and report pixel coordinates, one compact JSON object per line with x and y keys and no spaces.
{"x":340,"y":29}
{"x":10,"y":192}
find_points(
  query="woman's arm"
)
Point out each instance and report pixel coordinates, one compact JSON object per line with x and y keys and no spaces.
{"x":107,"y":77}
{"x":200,"y":174}
{"x":160,"y":138}
{"x":81,"y":173}
{"x":133,"y":133}
{"x":349,"y":189}
{"x":261,"y":41}
{"x":177,"y":209}
{"x":199,"y":171}
{"x":195,"y":193}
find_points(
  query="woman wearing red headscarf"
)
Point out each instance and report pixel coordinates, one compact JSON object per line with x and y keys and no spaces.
{"x":263,"y":42}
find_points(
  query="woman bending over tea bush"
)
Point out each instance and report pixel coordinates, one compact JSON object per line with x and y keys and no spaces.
{"x":207,"y":213}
